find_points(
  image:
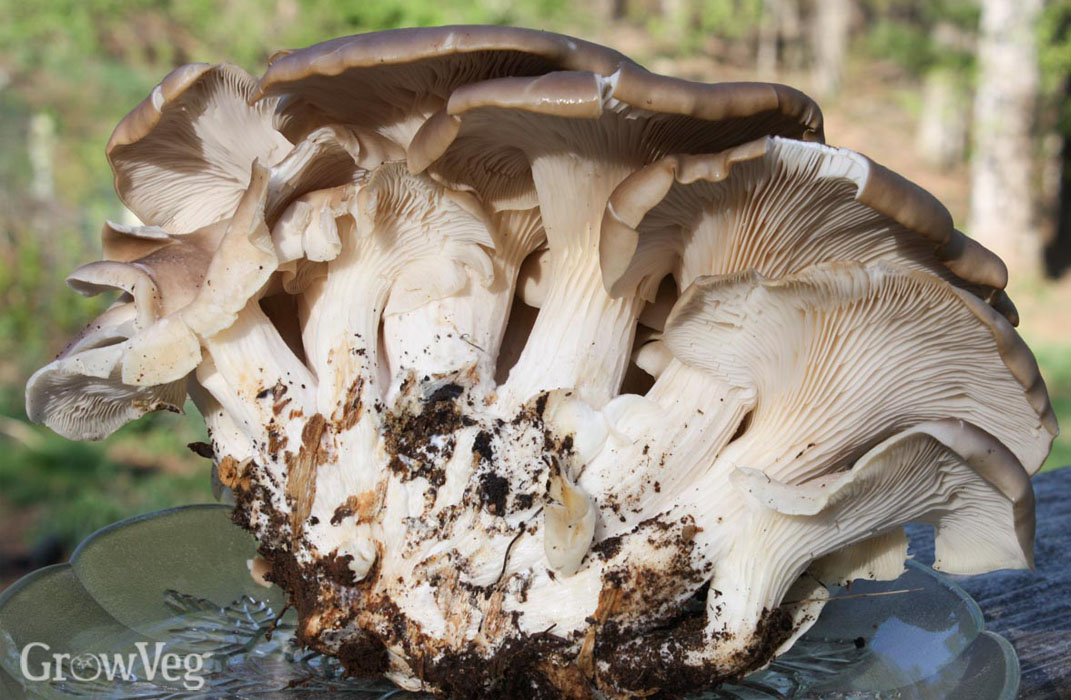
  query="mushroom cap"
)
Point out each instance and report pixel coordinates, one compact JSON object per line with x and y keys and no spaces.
{"x":181,"y":158}
{"x":81,"y":394}
{"x":123,"y":243}
{"x":134,"y":359}
{"x":496,"y":125}
{"x":946,"y":473}
{"x":390,"y":81}
{"x":779,"y":205}
{"x":991,"y":529}
{"x":581,"y":129}
{"x":842,"y":353}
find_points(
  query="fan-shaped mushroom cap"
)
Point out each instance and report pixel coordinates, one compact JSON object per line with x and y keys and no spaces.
{"x":182,"y":157}
{"x":779,"y":205}
{"x":490,"y":135}
{"x":947,"y":473}
{"x":81,"y":394}
{"x":181,"y":290}
{"x":841,"y":353}
{"x":390,"y":82}
{"x":123,"y":243}
{"x":161,"y":272}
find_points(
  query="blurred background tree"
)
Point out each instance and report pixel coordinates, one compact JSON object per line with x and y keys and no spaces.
{"x":969,"y":98}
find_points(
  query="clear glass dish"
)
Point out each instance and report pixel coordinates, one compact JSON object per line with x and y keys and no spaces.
{"x":174,"y":584}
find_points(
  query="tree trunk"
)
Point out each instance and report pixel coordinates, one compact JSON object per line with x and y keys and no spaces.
{"x":832,"y":18}
{"x":1058,"y":251}
{"x":941,"y":135}
{"x":769,"y":29}
{"x":1001,"y":213}
{"x":792,"y":48}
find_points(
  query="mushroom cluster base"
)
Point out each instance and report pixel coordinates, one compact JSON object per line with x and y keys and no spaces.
{"x":430,"y":619}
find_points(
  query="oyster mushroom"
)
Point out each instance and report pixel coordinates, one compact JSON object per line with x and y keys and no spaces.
{"x":947,"y":473}
{"x":341,"y":264}
{"x":577,"y":131}
{"x":382,"y":87}
{"x":81,"y":394}
{"x":388,"y":83}
{"x":779,"y":205}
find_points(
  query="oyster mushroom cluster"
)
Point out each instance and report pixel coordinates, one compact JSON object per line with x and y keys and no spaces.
{"x":536,"y":374}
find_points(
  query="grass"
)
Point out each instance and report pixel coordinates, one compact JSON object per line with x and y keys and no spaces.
{"x":1055,"y":362}
{"x":75,"y":488}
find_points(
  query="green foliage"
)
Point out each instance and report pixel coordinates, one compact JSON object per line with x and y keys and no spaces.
{"x":78,"y":487}
{"x":1055,"y":363}
{"x":1054,"y":40}
{"x":901,"y":43}
{"x":922,"y":35}
{"x":1054,"y":55}
{"x":684,"y":27}
{"x":38,"y":308}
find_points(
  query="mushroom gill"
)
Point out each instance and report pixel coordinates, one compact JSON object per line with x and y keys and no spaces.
{"x":340,"y":265}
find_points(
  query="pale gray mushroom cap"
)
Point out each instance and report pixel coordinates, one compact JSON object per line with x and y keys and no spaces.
{"x":987,"y":533}
{"x":487,"y":132}
{"x":779,"y":205}
{"x":490,"y":135}
{"x":181,"y":158}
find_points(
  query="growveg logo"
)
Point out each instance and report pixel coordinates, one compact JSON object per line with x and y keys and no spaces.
{"x":37,"y":663}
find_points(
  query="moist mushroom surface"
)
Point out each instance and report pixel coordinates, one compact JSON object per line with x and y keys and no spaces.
{"x":538,"y":375}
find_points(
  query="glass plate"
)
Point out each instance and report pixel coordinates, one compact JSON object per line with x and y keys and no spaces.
{"x":170,"y":593}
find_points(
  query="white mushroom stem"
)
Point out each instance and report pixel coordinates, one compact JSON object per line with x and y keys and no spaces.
{"x":463,"y":326}
{"x":258,"y":372}
{"x":405,"y":244}
{"x":662,"y":443}
{"x":582,"y":337}
{"x":228,"y":438}
{"x":340,"y":321}
{"x":433,"y":247}
{"x":465,"y":330}
{"x":946,"y":473}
